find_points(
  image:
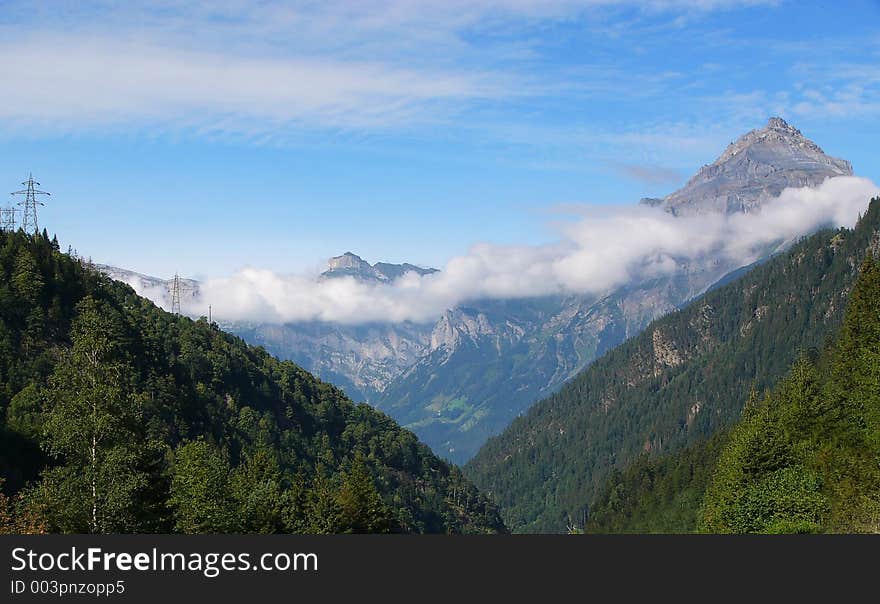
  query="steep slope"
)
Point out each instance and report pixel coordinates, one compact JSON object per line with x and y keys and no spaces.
{"x":360,"y":359}
{"x":684,"y":378}
{"x":490,"y":360}
{"x":656,"y":494}
{"x":463,"y":379}
{"x":804,"y":459}
{"x":195,"y":431}
{"x":493,"y":360}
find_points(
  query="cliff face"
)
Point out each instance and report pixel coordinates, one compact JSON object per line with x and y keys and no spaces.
{"x":360,"y":359}
{"x":464,"y":378}
{"x":489,"y":361}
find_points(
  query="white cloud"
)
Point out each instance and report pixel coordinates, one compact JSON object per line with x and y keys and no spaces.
{"x":256,"y":68}
{"x":601,"y":250}
{"x":99,"y":82}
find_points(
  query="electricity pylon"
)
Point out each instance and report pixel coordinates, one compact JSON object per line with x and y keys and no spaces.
{"x":7,"y":219}
{"x":175,"y":295}
{"x":30,"y":203}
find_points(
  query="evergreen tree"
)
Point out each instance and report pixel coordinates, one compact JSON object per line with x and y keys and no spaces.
{"x":116,"y":416}
{"x":361,"y":508}
{"x":857,"y":363}
{"x":321,"y":506}
{"x":26,"y":278}
{"x":201,"y":496}
{"x":805,"y":458}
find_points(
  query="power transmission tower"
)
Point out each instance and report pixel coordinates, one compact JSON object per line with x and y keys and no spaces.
{"x":175,"y":296}
{"x":30,"y":203}
{"x":7,"y":219}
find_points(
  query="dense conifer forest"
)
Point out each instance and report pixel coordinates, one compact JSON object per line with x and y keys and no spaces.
{"x":583,"y":457}
{"x":120,"y":417}
{"x":803,"y":458}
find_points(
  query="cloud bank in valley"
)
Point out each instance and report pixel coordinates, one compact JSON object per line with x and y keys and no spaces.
{"x":598,"y":251}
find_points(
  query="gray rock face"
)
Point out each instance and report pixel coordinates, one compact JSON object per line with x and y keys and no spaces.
{"x":352,"y":265}
{"x":360,"y":359}
{"x":753,"y":170}
{"x":489,"y":361}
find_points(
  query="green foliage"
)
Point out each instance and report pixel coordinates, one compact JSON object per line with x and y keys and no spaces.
{"x":17,"y":517}
{"x":90,"y":426}
{"x":200,"y":490}
{"x":361,"y":509}
{"x":116,"y":416}
{"x":547,"y":469}
{"x":805,"y":458}
{"x":258,"y":491}
{"x":656,"y":494}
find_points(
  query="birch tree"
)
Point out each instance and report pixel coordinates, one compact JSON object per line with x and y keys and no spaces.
{"x":90,"y":427}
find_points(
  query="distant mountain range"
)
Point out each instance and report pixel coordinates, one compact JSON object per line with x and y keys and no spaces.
{"x":351,"y":265}
{"x":490,"y":360}
{"x":464,"y":378}
{"x":360,"y":359}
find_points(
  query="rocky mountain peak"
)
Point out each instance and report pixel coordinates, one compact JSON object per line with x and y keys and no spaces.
{"x":352,"y":265}
{"x":753,"y":170}
{"x":347,"y":261}
{"x":778,"y":133}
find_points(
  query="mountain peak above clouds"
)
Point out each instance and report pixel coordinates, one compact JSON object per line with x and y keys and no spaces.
{"x":352,"y":265}
{"x":753,"y":170}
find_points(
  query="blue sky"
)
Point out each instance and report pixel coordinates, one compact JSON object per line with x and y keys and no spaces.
{"x":200,"y":137}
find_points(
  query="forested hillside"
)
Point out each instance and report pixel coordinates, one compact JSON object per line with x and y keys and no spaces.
{"x":681,"y":381}
{"x":802,"y":459}
{"x":656,"y":494}
{"x":805,"y":457}
{"x":119,"y":417}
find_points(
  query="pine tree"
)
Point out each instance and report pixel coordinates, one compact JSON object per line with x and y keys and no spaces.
{"x":857,"y":363}
{"x":361,"y":508}
{"x":26,"y":278}
{"x":322,"y":507}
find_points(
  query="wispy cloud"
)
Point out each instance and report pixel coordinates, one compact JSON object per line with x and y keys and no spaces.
{"x":841,"y":90}
{"x":258,"y":68}
{"x":100,"y":82}
{"x":601,"y":250}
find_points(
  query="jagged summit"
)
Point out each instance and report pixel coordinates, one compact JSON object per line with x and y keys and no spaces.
{"x":754,"y":169}
{"x":777,"y":132}
{"x":352,"y":265}
{"x":347,"y":262}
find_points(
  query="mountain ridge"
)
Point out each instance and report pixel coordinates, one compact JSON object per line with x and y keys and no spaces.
{"x":685,"y":377}
{"x":183,"y":427}
{"x":350,"y":264}
{"x":466,"y":375}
